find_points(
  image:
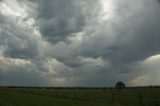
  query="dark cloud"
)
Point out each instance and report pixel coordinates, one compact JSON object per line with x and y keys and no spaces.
{"x":18,"y":42}
{"x":20,"y":72}
{"x":137,"y":35}
{"x":71,"y":43}
{"x":135,"y":39}
{"x":58,"y":19}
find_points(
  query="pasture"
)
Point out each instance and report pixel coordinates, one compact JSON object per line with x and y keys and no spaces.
{"x":79,"y":97}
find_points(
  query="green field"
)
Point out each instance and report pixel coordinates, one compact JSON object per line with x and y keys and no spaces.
{"x":79,"y":97}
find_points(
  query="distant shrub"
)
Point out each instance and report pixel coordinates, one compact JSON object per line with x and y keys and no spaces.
{"x":120,"y":85}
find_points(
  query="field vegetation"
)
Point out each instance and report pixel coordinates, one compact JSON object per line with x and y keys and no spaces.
{"x":80,"y":97}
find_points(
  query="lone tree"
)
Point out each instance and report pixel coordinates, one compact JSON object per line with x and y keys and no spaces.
{"x":120,"y":85}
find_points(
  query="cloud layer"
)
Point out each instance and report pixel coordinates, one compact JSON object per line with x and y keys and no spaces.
{"x":79,"y":43}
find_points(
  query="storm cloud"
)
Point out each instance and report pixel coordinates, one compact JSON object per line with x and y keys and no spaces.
{"x":79,"y":43}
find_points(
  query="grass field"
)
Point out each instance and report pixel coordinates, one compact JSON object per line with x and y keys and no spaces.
{"x":79,"y":97}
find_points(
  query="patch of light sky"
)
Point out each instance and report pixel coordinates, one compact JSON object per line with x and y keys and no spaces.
{"x":107,"y":9}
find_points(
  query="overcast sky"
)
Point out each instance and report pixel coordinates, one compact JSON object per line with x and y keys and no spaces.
{"x":79,"y":42}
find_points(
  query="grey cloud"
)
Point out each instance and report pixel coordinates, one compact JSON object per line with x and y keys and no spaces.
{"x":137,"y":35}
{"x":58,"y":19}
{"x":135,"y":38}
{"x":20,"y":72}
{"x":17,"y":40}
{"x":73,"y":38}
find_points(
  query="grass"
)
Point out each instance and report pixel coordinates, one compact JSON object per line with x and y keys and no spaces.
{"x":79,"y":97}
{"x":14,"y":98}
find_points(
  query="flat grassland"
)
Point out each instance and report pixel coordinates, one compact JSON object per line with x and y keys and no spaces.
{"x":79,"y":97}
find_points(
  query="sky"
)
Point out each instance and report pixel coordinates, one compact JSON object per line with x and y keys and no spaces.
{"x":87,"y":43}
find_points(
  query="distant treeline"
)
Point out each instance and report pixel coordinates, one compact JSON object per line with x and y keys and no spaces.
{"x":76,"y":87}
